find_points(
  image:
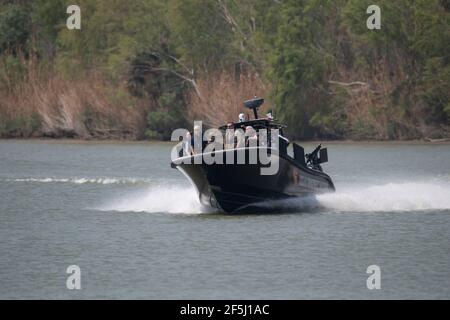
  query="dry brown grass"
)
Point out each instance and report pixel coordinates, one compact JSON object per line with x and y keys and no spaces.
{"x":87,"y":107}
{"x":222,"y":97}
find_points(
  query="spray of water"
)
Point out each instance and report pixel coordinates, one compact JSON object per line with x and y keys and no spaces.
{"x":160,"y":199}
{"x":390,"y":197}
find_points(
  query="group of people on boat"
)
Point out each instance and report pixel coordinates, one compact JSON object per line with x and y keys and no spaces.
{"x":247,"y":133}
{"x":237,"y":135}
{"x":233,"y":139}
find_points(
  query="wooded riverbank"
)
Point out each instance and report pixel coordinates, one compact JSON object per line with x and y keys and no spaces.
{"x":139,"y":70}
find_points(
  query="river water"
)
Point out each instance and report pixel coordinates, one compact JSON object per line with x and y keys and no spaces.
{"x":133,"y":226}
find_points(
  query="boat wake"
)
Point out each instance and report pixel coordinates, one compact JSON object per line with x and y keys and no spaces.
{"x":390,"y":197}
{"x":159,"y":199}
{"x":82,"y":180}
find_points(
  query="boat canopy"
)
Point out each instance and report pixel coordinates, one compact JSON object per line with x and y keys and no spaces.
{"x":257,"y":124}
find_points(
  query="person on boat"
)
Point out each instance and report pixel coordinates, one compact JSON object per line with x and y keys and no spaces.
{"x":229,"y":136}
{"x":252,"y":137}
{"x":240,"y":138}
{"x":273,"y":140}
{"x":241,"y":117}
{"x":197,"y":141}
{"x":188,"y":145}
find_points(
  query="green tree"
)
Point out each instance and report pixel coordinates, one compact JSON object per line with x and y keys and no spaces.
{"x":201,"y":33}
{"x":298,"y":60}
{"x":15,"y":25}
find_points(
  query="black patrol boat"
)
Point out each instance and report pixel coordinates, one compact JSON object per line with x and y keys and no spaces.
{"x":241,"y":187}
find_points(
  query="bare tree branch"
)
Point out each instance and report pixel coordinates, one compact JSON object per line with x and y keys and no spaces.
{"x":179,"y":75}
{"x":177,"y":61}
{"x":349,"y":84}
{"x":229,"y":18}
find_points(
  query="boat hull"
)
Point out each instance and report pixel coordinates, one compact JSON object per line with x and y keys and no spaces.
{"x":239,"y":188}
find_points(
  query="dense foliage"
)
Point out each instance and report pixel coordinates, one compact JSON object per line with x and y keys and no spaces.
{"x":135,"y":65}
